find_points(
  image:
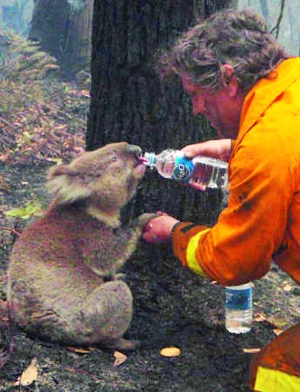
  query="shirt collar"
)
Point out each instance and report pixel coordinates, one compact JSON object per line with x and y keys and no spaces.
{"x":265,"y":92}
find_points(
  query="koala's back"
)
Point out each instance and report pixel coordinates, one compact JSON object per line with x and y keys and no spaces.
{"x":47,"y":260}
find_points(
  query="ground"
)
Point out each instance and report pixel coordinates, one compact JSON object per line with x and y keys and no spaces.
{"x":172,"y":307}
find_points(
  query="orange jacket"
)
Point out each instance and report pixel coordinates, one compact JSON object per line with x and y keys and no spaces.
{"x":262,"y":220}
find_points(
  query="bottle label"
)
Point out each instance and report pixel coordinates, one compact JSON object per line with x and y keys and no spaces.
{"x":239,"y":299}
{"x":183,"y":169}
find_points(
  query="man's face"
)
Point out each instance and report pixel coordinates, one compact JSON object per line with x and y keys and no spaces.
{"x":221,"y":108}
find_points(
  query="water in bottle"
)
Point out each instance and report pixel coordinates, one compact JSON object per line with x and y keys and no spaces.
{"x":209,"y":172}
{"x":238,"y":308}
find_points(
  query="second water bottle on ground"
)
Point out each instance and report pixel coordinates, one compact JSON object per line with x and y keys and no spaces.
{"x":239,"y":308}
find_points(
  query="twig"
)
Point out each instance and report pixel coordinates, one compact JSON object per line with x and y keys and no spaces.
{"x":277,"y":26}
{"x":11,"y":230}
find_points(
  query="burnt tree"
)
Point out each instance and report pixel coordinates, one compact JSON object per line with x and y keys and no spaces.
{"x":64,"y":31}
{"x":130,"y":103}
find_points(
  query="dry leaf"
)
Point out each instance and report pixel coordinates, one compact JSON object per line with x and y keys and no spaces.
{"x":170,"y":351}
{"x":29,"y":375}
{"x":260,"y":317}
{"x":277,"y":331}
{"x":251,"y":350}
{"x":288,"y":287}
{"x":120,"y":358}
{"x":80,"y":350}
{"x":85,"y":93}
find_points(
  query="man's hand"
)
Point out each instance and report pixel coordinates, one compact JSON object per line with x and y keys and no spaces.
{"x":159,"y":229}
{"x":220,"y":149}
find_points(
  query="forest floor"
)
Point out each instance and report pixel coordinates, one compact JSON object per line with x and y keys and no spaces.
{"x":172,"y":307}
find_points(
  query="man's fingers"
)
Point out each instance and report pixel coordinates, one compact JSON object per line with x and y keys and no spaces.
{"x":197,"y":186}
{"x":161,"y":213}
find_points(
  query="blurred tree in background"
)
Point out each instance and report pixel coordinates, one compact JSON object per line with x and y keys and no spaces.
{"x":63,"y":28}
{"x":16,"y":15}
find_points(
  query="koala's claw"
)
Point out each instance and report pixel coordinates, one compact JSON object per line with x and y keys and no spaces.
{"x":143,"y":219}
{"x":111,"y":276}
{"x":119,"y":276}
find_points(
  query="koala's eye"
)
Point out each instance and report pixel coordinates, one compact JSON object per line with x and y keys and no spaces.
{"x":114,"y":158}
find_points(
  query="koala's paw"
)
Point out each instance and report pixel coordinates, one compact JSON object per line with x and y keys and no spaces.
{"x":111,"y":276}
{"x":143,"y":219}
{"x":119,"y":276}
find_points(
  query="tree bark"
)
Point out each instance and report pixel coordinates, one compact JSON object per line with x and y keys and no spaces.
{"x":129,"y":102}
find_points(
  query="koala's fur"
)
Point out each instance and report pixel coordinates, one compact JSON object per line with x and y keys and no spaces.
{"x":62,"y":281}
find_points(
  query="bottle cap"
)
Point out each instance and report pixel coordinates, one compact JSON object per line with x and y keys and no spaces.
{"x":149,"y":159}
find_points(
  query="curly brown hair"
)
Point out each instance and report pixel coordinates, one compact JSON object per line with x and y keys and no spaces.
{"x":238,"y":38}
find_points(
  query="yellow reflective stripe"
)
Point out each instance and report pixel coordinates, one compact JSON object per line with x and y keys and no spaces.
{"x":191,"y":260}
{"x":270,"y":380}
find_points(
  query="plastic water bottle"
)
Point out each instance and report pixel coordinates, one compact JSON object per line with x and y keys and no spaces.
{"x":209,"y":172}
{"x":239,"y":308}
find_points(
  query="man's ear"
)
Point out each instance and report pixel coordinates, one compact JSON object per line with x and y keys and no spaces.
{"x":229,"y":80}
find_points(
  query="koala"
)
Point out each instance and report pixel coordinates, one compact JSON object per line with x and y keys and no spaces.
{"x":62,"y":277}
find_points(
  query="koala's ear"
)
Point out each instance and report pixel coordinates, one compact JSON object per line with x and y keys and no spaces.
{"x":64,"y":186}
{"x":60,"y":170}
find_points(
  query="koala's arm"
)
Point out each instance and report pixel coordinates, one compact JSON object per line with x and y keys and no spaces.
{"x":118,"y":248}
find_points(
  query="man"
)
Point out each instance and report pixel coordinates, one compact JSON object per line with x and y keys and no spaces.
{"x":243,"y":82}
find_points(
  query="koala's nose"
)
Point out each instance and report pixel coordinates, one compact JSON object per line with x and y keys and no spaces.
{"x":135,"y":150}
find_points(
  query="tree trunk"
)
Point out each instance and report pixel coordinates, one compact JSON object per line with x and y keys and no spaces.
{"x":129,"y":102}
{"x":64,"y":31}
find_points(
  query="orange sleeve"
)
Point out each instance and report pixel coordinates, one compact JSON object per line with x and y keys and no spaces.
{"x":185,"y":231}
{"x":240,"y":246}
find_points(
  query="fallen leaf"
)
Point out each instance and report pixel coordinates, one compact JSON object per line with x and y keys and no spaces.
{"x":251,"y":350}
{"x":29,"y":375}
{"x":120,"y":358}
{"x":80,"y":350}
{"x":260,"y":317}
{"x":277,"y":321}
{"x":170,"y":351}
{"x":277,"y":331}
{"x":26,"y":212}
{"x":271,"y":322}
{"x":85,"y":93}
